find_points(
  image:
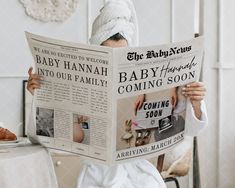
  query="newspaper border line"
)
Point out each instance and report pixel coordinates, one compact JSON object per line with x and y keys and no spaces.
{"x":103,"y":56}
{"x":54,"y":44}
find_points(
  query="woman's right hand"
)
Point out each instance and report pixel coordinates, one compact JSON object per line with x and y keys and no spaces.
{"x":34,"y":81}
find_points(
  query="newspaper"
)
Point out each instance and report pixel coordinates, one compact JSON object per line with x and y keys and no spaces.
{"x":112,"y":104}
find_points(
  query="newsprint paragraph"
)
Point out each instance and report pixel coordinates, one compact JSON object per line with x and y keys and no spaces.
{"x":112,"y":104}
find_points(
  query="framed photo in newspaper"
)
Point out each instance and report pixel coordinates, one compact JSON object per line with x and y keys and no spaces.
{"x":27,"y":101}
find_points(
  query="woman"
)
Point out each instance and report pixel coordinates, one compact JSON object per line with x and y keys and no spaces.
{"x":116,"y":26}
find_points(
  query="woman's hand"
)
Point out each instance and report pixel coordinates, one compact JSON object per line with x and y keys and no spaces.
{"x":138,"y":103}
{"x":195,"y":92}
{"x":34,"y":81}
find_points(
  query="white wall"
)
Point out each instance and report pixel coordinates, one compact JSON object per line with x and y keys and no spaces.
{"x":226,"y":129}
{"x":208,"y":138}
{"x":15,"y":54}
{"x":217,"y":142}
{"x":154,"y":18}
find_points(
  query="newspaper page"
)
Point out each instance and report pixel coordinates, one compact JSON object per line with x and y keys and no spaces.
{"x":112,"y":104}
{"x":72,"y":109}
{"x":150,"y":107}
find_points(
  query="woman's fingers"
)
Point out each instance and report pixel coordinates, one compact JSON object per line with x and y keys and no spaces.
{"x":30,"y":71}
{"x":196,"y":88}
{"x":31,"y":84}
{"x":187,"y":89}
{"x":196,"y":98}
{"x":34,"y":81}
{"x":32,"y":87}
{"x":35,"y":86}
{"x":195,"y":91}
{"x":196,"y":84}
{"x":35,"y":77}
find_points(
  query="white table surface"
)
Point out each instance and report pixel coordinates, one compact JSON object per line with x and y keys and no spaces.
{"x":28,"y":166}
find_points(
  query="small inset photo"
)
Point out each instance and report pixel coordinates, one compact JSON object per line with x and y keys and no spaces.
{"x":169,"y":126}
{"x":45,"y":122}
{"x":81,"y":129}
{"x":165,"y":123}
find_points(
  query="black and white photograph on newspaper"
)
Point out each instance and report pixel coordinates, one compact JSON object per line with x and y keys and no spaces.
{"x":45,"y":122}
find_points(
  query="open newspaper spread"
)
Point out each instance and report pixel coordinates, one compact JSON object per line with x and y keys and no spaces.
{"x":112,"y":104}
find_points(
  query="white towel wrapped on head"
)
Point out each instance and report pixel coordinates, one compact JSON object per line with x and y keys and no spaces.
{"x":117,"y":16}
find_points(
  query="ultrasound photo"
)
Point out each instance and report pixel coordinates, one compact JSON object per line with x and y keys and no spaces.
{"x":45,"y":122}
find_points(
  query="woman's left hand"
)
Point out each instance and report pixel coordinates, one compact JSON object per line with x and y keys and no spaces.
{"x":195,"y":92}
